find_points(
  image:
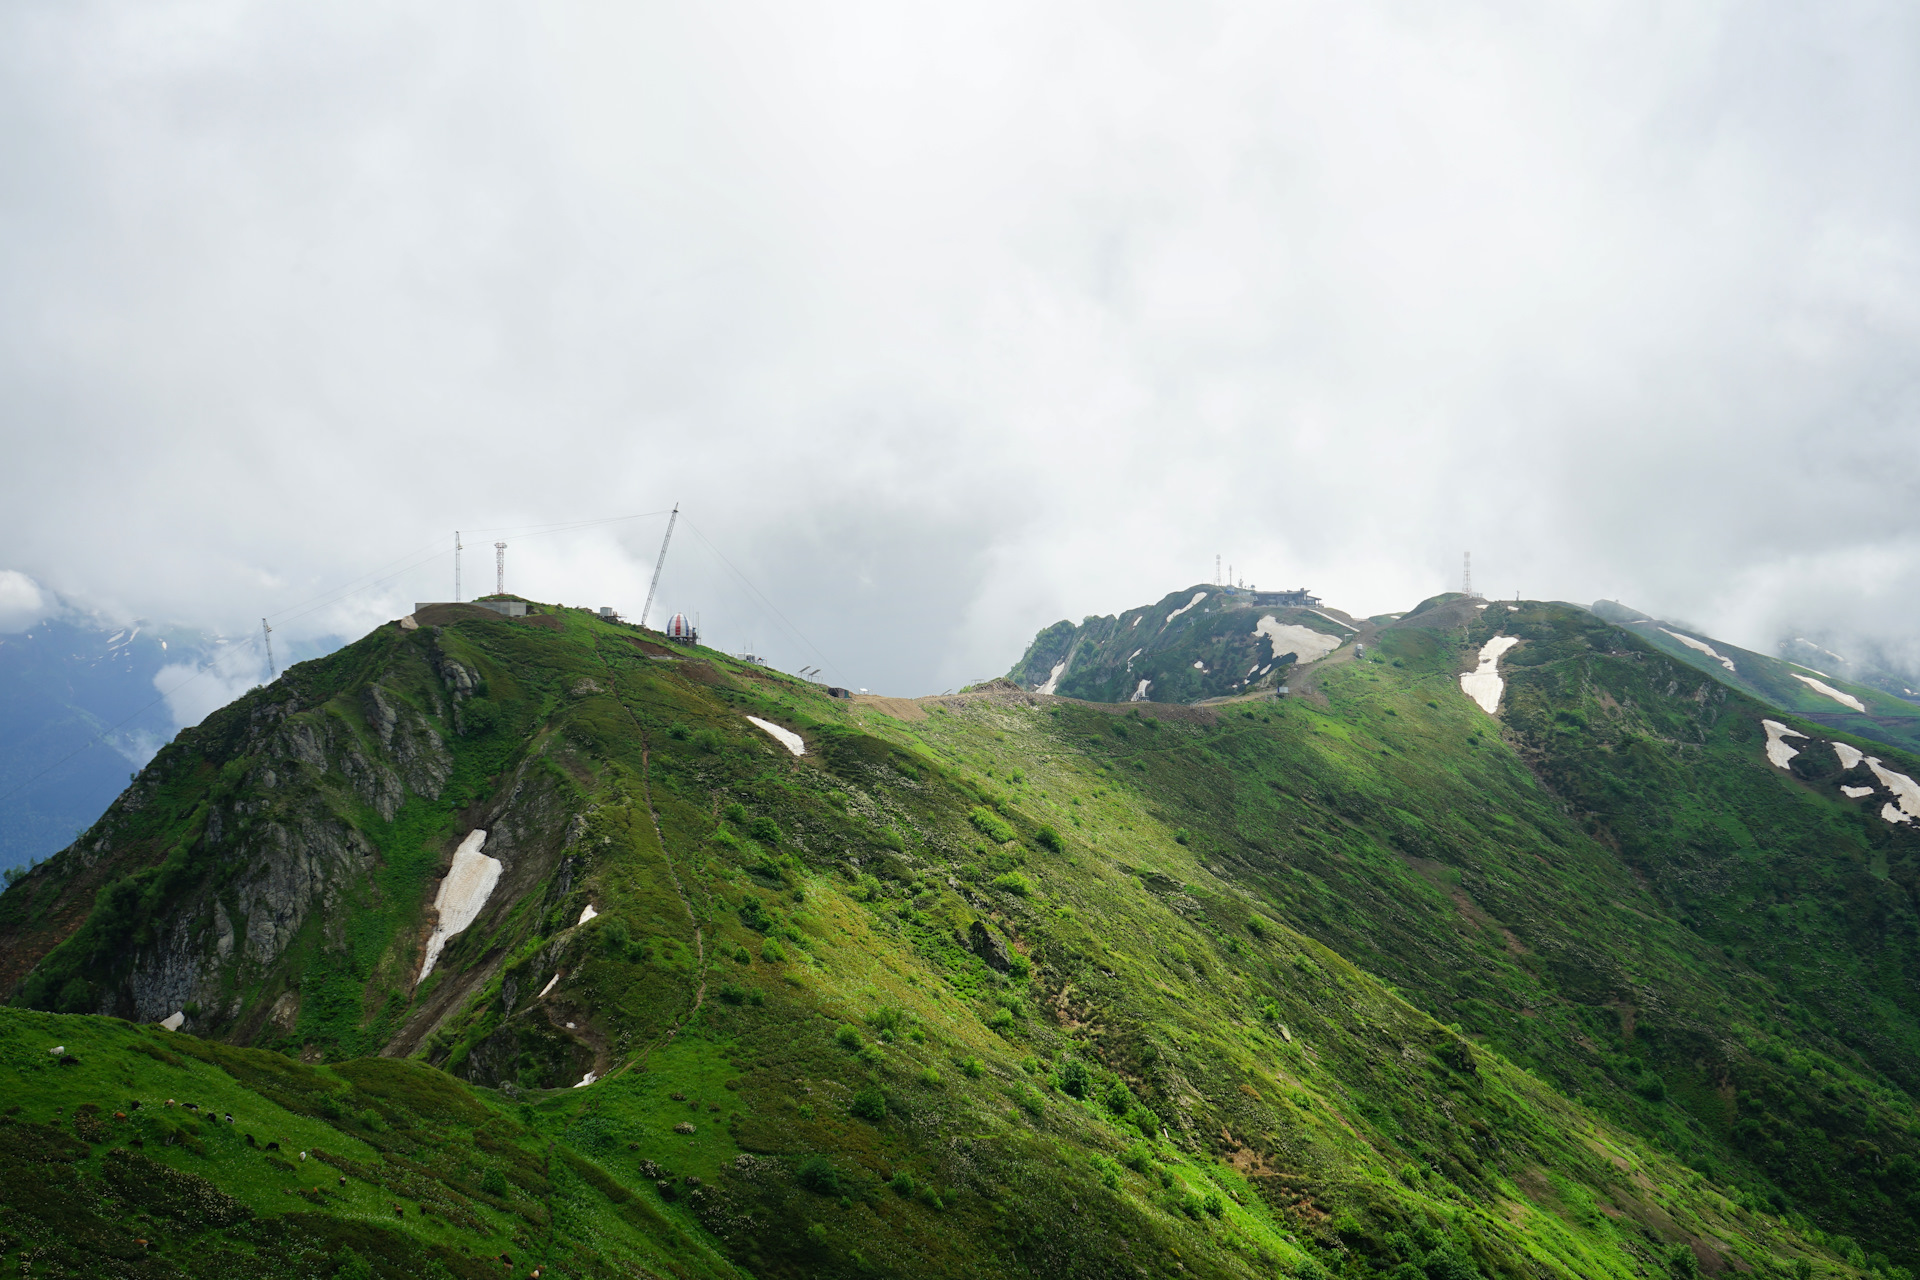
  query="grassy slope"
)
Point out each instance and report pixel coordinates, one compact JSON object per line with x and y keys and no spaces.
{"x":867,"y":1095}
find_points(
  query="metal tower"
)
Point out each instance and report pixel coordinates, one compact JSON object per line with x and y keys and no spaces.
{"x":1466,"y":574}
{"x":456,"y":566}
{"x":266,"y":633}
{"x":499,"y":568}
{"x":659,"y":565}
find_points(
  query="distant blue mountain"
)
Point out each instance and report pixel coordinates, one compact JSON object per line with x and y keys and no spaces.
{"x":78,"y":712}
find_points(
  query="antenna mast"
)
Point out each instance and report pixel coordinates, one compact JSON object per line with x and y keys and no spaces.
{"x":659,"y":565}
{"x":1216,"y":570}
{"x":1466,"y":574}
{"x":266,"y":633}
{"x":456,"y":566}
{"x":499,"y":568}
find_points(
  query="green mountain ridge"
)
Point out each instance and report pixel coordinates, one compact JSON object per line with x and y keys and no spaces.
{"x":1362,"y":981}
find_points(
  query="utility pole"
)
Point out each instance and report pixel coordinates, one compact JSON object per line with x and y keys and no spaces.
{"x":456,"y":566}
{"x":266,"y":633}
{"x":499,"y":568}
{"x":659,"y":565}
{"x":1466,"y":574}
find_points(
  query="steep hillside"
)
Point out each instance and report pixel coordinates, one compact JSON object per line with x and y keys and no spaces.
{"x":1362,"y":981}
{"x":1813,"y":692}
{"x":1201,"y":643}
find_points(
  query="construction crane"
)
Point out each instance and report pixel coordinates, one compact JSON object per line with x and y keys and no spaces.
{"x":658,"y":565}
{"x":266,"y":633}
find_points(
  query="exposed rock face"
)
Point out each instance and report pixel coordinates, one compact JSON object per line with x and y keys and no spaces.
{"x":988,"y":945}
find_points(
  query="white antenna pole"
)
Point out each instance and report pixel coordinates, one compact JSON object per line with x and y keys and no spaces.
{"x":266,"y":633}
{"x":659,"y":565}
{"x":1466,"y":573}
{"x":456,"y":566}
{"x":1216,"y":571}
{"x":499,"y":568}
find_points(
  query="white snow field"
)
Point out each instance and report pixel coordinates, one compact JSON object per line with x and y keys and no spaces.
{"x":1198,"y":596}
{"x":588,"y":1079}
{"x":543,"y":991}
{"x":1306,"y":644}
{"x":785,"y":737}
{"x":1702,"y":646}
{"x":1854,"y":793}
{"x":1483,"y":684}
{"x":1130,"y":657}
{"x":173,"y":1020}
{"x":1818,"y":686}
{"x":1849,"y":754}
{"x":1892,"y":814}
{"x":468,"y":885}
{"x":1140,"y":694}
{"x":1778,"y":752}
{"x":586,"y":913}
{"x":1052,"y":682}
{"x":1904,"y":789}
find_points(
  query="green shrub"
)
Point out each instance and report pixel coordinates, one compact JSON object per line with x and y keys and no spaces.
{"x":847,"y":1037}
{"x":707,"y":740}
{"x":1182,"y":836}
{"x":991,"y":824}
{"x":1018,"y":966}
{"x":494,"y":1183}
{"x":972,"y":1068}
{"x":1681,"y":1263}
{"x":818,"y":1175}
{"x":1075,"y":1079}
{"x":1138,"y":1157}
{"x":1001,"y":1019}
{"x":1108,"y":1172}
{"x":772,"y":952}
{"x":348,"y":1265}
{"x":679,"y":733}
{"x":765,"y":830}
{"x":1048,"y":838}
{"x":732,"y":993}
{"x":1015,"y":883}
{"x":869,"y":1104}
{"x":930,"y":1078}
{"x":1651,"y":1087}
{"x":736,"y":813}
{"x":903,"y":1184}
{"x":1030,"y":1101}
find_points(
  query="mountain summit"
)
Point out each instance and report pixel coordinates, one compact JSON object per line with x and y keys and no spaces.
{"x":1509,"y":945}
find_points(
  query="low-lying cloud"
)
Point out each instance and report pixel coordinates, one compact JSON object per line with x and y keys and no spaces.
{"x":942,"y":326}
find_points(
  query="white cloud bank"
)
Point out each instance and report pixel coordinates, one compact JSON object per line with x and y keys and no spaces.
{"x":945,"y":323}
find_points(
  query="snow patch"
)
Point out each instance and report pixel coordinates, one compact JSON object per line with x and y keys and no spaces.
{"x":1130,"y":657}
{"x":1854,"y":793}
{"x":1479,"y":606}
{"x":1052,"y":682}
{"x":1701,"y":646}
{"x":1304,"y":643}
{"x":586,"y":1080}
{"x":1199,"y":666}
{"x":409,"y":623}
{"x":1198,"y":596}
{"x":1905,"y":790}
{"x":586,"y":913}
{"x":468,"y":884}
{"x":785,"y":737}
{"x":1845,"y":699}
{"x":543,"y":991}
{"x":1778,"y":752}
{"x":1849,"y":755}
{"x":1140,"y":694}
{"x":1892,"y":814}
{"x":173,"y":1021}
{"x":1483,"y":684}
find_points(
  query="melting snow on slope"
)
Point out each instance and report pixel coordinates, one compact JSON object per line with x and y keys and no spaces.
{"x":589,"y":1079}
{"x":1053,"y":680}
{"x":1702,"y":646}
{"x":1304,"y":643}
{"x":1483,"y":684}
{"x":785,"y":737}
{"x":1778,"y":752}
{"x":1892,"y":814}
{"x":173,"y":1021}
{"x":1199,"y":666}
{"x":1854,"y":793}
{"x":1849,"y":755}
{"x":586,"y":913}
{"x":1817,"y":686}
{"x":468,"y":885}
{"x":1335,"y":621}
{"x":543,"y":991}
{"x":1130,"y":657}
{"x":1140,"y":694}
{"x":1904,"y":789}
{"x":1198,"y":596}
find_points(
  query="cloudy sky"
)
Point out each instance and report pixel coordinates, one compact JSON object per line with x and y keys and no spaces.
{"x":945,"y":322}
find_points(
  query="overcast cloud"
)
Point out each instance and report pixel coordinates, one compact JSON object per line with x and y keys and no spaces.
{"x":944,"y":322}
